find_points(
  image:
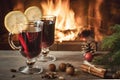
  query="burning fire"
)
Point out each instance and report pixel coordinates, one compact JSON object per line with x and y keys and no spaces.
{"x":97,"y":24}
{"x":95,"y":16}
{"x":67,"y":25}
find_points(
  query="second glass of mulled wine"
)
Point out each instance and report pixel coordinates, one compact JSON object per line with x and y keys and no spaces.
{"x":47,"y":38}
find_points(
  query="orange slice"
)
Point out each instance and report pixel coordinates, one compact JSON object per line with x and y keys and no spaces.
{"x":33,"y":13}
{"x":15,"y":21}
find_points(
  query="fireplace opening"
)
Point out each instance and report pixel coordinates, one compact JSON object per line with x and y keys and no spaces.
{"x":74,"y":16}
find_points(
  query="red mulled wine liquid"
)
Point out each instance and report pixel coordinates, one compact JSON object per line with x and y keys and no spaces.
{"x":30,"y":42}
{"x":48,"y":33}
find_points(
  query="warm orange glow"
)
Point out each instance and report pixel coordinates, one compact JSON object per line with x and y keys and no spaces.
{"x":96,"y":19}
{"x":97,"y":24}
{"x":67,"y":24}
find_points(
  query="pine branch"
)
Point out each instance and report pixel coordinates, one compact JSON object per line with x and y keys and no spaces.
{"x":116,"y":58}
{"x":110,"y":42}
{"x":116,"y":28}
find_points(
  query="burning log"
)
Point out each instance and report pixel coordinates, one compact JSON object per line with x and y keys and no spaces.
{"x":68,"y":31}
{"x":66,"y":35}
{"x":86,"y":33}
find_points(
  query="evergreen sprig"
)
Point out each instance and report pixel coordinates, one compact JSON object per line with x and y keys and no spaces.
{"x":111,"y":43}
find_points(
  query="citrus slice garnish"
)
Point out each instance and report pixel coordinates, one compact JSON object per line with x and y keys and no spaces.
{"x":33,"y":13}
{"x":15,"y":21}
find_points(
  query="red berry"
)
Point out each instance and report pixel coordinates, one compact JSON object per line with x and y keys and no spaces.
{"x":88,"y":56}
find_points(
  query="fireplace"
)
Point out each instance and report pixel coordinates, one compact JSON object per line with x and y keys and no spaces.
{"x":75,"y":19}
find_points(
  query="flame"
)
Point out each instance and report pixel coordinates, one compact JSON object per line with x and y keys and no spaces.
{"x":66,"y":26}
{"x":97,"y":24}
{"x":95,"y":19}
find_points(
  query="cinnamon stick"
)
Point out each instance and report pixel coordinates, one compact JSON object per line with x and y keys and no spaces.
{"x":100,"y":72}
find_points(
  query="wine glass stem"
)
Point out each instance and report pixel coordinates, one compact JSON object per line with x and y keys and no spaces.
{"x":45,"y":52}
{"x":30,"y":63}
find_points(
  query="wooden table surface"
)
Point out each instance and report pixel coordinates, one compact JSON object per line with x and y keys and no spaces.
{"x":13,"y":60}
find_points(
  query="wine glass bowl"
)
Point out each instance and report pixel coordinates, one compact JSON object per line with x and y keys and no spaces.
{"x":30,"y":46}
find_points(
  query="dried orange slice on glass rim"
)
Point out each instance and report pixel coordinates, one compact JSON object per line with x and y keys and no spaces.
{"x":15,"y":21}
{"x":33,"y":13}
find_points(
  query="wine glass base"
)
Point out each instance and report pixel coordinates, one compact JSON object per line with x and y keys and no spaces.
{"x":26,"y":70}
{"x":47,"y":58}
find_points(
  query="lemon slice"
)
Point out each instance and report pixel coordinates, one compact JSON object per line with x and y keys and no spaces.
{"x":33,"y":13}
{"x":15,"y":21}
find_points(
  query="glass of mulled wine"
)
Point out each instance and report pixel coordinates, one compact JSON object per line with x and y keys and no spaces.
{"x":30,"y":46}
{"x":47,"y":38}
